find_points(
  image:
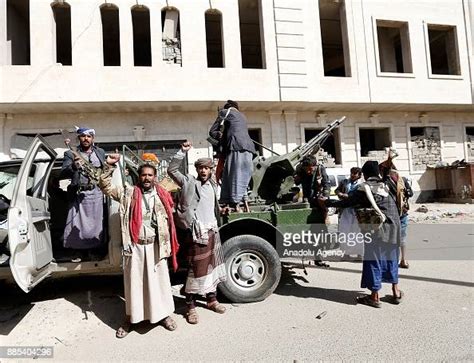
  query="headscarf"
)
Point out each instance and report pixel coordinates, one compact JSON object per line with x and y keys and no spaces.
{"x":370,"y":169}
{"x":84,"y":131}
{"x":230,"y":104}
{"x":204,"y":162}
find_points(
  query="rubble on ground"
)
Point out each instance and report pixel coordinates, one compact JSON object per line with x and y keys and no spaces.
{"x":441,"y":213}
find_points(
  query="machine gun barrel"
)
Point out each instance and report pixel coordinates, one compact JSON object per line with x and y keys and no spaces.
{"x":273,"y":176}
{"x":314,"y":144}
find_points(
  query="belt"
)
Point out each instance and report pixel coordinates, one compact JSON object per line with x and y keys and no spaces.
{"x":147,"y":241}
{"x":86,"y":187}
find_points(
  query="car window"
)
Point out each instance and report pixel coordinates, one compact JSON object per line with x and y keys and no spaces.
{"x":8,"y":176}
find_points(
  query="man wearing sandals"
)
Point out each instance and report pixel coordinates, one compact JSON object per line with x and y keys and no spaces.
{"x":149,"y":238}
{"x":198,"y":216}
{"x":381,"y":251}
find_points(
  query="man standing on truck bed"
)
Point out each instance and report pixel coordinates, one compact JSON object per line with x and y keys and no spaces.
{"x":84,"y":230}
{"x":238,"y":149}
{"x":149,"y":238}
{"x":198,"y":216}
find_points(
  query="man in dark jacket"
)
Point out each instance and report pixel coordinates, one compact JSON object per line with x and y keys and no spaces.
{"x":315,"y":183}
{"x":84,"y":225}
{"x":381,"y":250}
{"x":238,"y":149}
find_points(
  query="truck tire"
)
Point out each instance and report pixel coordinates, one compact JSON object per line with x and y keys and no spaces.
{"x":253,"y":269}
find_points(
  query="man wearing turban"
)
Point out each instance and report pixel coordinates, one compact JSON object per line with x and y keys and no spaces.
{"x":197,"y":222}
{"x":84,"y":230}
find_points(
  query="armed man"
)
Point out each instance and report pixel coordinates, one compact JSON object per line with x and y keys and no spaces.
{"x":84,"y":231}
{"x":315,"y":184}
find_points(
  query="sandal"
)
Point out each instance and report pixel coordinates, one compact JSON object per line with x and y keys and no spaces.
{"x":123,"y":331}
{"x":396,"y":300}
{"x":168,"y":324}
{"x":216,"y":307}
{"x":404,"y":264}
{"x":192,"y":316}
{"x":366,"y":300}
{"x":321,"y":264}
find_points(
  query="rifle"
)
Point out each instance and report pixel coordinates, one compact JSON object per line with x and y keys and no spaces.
{"x":86,"y":167}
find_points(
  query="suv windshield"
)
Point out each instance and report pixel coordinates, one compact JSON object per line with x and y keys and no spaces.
{"x":8,"y":176}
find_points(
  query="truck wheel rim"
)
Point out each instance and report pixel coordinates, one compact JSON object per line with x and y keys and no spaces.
{"x":247,"y":269}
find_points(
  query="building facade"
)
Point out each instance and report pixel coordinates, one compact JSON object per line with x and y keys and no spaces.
{"x":150,"y":73}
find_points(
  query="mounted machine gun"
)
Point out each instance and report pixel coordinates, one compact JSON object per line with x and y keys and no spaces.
{"x":272,"y":178}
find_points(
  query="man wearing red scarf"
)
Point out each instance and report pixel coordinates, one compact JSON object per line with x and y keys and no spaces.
{"x":149,"y":238}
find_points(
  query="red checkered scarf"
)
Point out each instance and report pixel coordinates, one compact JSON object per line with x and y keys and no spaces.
{"x":136,"y":218}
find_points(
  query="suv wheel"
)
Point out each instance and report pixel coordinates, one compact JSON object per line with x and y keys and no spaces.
{"x":253,"y":269}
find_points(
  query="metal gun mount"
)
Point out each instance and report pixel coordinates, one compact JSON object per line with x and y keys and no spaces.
{"x":272,"y":177}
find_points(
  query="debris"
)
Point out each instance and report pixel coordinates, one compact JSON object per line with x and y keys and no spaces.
{"x":59,"y":340}
{"x":322,"y":315}
{"x":422,"y":209}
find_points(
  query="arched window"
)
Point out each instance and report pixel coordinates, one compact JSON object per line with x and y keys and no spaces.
{"x":171,"y":38}
{"x":215,"y":49}
{"x":251,"y":34}
{"x":18,"y":31}
{"x":109,"y":14}
{"x":141,"y":36}
{"x":62,"y":17}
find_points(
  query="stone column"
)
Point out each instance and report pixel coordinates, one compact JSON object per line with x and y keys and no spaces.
{"x":290,"y":121}
{"x":278,"y":139}
{"x":126,"y":33}
{"x":4,"y":155}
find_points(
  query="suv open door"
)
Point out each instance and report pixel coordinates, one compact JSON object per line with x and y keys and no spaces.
{"x":29,"y":234}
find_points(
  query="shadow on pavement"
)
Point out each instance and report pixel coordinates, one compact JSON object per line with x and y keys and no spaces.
{"x":417,"y":278}
{"x":289,"y":287}
{"x":101,"y":296}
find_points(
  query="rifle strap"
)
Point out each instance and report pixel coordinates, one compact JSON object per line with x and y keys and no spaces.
{"x":226,"y":114}
{"x":371,"y":199}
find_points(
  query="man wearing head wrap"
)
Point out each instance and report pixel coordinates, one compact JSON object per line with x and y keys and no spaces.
{"x":198,"y":220}
{"x":237,"y":150}
{"x":381,"y":249}
{"x":148,"y":240}
{"x":84,"y":230}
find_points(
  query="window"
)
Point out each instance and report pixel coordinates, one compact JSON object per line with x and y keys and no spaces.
{"x":18,"y":31}
{"x":256,"y":135}
{"x":443,"y":50}
{"x":171,"y":38}
{"x":470,"y":142}
{"x":163,"y":149}
{"x":251,"y":34}
{"x":110,"y":34}
{"x":215,"y":54}
{"x":62,"y":17}
{"x":426,"y":146}
{"x":141,"y":36}
{"x":330,"y":151}
{"x":334,"y":39}
{"x":394,"y":47}
{"x":373,"y":142}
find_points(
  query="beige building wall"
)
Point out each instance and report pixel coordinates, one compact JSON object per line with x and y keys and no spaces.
{"x":289,"y":94}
